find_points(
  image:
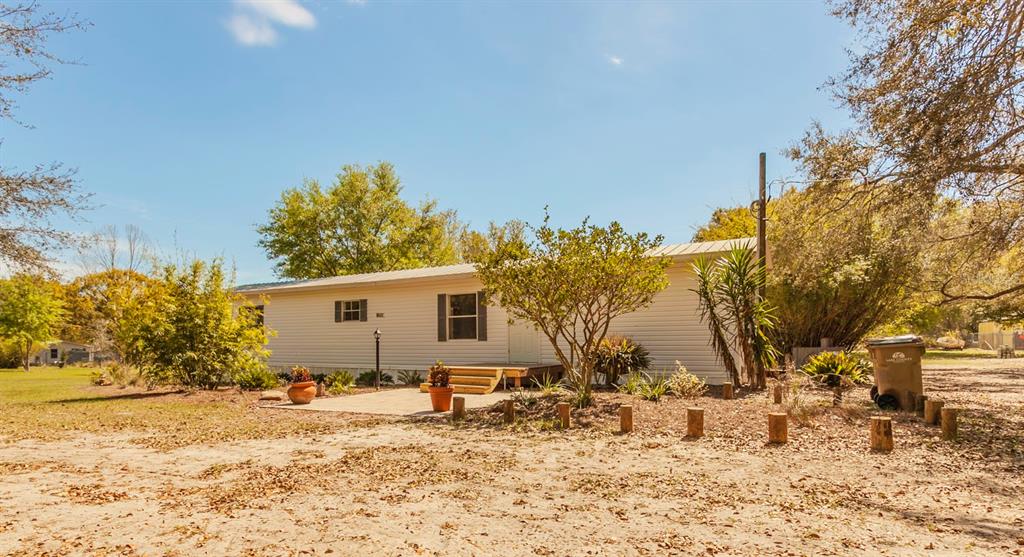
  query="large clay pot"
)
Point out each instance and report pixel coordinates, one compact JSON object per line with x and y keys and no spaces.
{"x":441,"y":398}
{"x":302,"y":393}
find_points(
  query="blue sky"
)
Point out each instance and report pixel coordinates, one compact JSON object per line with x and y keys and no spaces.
{"x":188,"y":119}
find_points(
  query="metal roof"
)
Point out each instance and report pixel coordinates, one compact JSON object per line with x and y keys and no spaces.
{"x":670,"y":250}
{"x":696,"y":248}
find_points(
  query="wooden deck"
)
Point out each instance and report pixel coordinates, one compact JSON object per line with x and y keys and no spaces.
{"x":481,"y":379}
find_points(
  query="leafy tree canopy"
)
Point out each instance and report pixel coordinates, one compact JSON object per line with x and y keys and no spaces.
{"x":30,"y":312}
{"x":727,"y":224}
{"x":571,"y":283}
{"x":30,"y":198}
{"x":935,"y":87}
{"x":359,"y":224}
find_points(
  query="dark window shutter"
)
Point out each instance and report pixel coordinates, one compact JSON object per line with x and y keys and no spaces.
{"x":337,"y":312}
{"x":362,"y":310}
{"x":442,"y":317}
{"x":481,"y":316}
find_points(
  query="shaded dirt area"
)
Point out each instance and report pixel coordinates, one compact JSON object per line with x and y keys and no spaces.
{"x":348,"y":485}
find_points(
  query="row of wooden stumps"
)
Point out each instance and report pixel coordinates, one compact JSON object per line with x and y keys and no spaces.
{"x":881,"y":436}
{"x":932,"y":411}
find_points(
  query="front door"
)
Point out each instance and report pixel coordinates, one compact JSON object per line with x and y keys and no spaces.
{"x":523,"y":343}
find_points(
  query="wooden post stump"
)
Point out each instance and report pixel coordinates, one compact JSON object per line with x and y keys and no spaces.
{"x":919,"y":401}
{"x":778,"y":424}
{"x":947,"y":416}
{"x":727,"y":391}
{"x":777,"y":394}
{"x":510,"y":411}
{"x":881,"y":433}
{"x":695,"y":422}
{"x":932,"y":408}
{"x":626,"y":419}
{"x":563,"y":414}
{"x":459,"y":408}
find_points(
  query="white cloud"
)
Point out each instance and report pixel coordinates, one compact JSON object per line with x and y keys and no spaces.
{"x":255,"y":22}
{"x":615,"y":60}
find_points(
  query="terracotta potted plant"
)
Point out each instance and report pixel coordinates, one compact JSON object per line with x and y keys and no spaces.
{"x":440,"y":390}
{"x":303,"y":388}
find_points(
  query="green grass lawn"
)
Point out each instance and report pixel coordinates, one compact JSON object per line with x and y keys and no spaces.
{"x":51,"y":403}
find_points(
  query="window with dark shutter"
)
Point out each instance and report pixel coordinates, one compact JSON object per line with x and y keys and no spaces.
{"x":462,"y":316}
{"x":350,"y":310}
{"x":442,"y":317}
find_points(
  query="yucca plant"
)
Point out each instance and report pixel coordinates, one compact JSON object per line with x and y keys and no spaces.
{"x":728,"y":290}
{"x":708,"y":275}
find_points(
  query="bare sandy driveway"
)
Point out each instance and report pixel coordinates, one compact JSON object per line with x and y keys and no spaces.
{"x":431,"y":488}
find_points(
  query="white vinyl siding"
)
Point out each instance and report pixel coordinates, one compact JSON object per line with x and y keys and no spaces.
{"x":306,"y":335}
{"x":670,"y":328}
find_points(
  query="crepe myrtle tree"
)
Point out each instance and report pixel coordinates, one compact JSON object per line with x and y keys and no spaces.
{"x":571,"y":283}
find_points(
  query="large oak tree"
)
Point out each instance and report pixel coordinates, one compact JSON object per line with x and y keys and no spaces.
{"x":358,"y":224}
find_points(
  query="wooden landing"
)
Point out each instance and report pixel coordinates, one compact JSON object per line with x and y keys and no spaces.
{"x":481,"y":379}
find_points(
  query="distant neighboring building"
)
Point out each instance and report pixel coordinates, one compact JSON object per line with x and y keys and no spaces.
{"x":57,"y":351}
{"x":992,"y":335}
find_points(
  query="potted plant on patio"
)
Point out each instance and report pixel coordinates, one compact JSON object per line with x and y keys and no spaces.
{"x":303,"y":387}
{"x":440,"y":390}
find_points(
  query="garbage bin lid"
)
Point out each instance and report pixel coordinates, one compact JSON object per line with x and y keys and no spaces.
{"x":888,"y":341}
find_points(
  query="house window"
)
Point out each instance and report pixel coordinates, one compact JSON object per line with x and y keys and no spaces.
{"x":351,"y":311}
{"x":54,"y":354}
{"x":462,"y":316}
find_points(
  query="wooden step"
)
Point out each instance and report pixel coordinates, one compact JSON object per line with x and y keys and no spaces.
{"x":470,"y":380}
{"x":476,"y":371}
{"x":463,"y":389}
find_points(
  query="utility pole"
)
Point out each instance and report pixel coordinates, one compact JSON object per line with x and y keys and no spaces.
{"x":762,"y":219}
{"x":762,"y":245}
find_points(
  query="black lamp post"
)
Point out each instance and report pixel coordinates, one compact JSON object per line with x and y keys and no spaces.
{"x":376,"y":337}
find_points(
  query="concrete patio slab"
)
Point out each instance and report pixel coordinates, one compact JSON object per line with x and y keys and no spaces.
{"x":391,"y":402}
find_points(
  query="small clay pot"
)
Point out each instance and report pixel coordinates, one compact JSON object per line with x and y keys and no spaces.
{"x":441,"y":398}
{"x":302,"y":393}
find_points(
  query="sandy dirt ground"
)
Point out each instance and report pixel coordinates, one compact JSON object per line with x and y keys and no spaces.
{"x":400,"y":487}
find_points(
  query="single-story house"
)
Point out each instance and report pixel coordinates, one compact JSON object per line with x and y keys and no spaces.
{"x":57,"y":351}
{"x":438,"y":313}
{"x":992,"y":335}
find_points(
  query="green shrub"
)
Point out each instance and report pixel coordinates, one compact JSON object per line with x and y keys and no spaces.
{"x":369,"y":378}
{"x":409,"y":377}
{"x":11,"y":353}
{"x":339,"y":382}
{"x":618,"y":356}
{"x":835,"y":368}
{"x":653,"y":390}
{"x":685,"y":384}
{"x":256,"y":379}
{"x":634,"y":382}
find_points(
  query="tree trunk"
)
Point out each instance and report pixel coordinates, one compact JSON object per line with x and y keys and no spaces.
{"x":28,"y":354}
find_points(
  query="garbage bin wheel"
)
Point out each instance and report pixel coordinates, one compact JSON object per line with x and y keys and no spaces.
{"x":888,"y":402}
{"x":874,"y":392}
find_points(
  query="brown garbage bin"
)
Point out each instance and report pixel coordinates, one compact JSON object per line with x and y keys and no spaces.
{"x":897,"y":362}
